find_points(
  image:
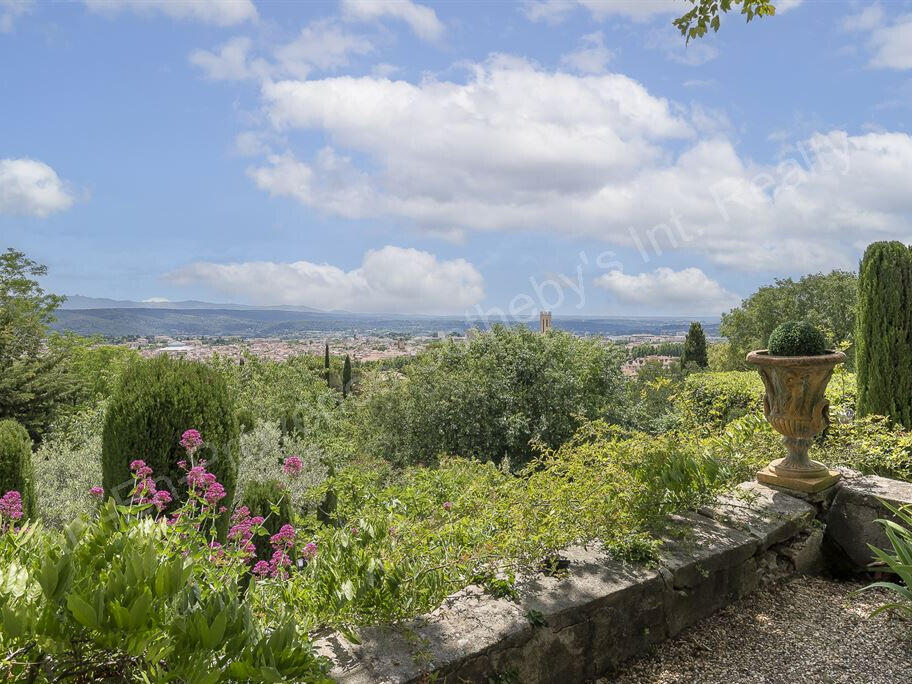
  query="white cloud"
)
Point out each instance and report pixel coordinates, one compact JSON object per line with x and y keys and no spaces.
{"x":10,"y":10}
{"x":156,"y":300}
{"x":391,"y":280}
{"x":32,"y":188}
{"x":554,"y":11}
{"x":688,"y":291}
{"x":869,"y":18}
{"x":322,"y":45}
{"x":230,"y":63}
{"x":669,"y":41}
{"x":421,"y":19}
{"x":892,"y":45}
{"x":217,"y":12}
{"x":592,"y":57}
{"x":514,"y":147}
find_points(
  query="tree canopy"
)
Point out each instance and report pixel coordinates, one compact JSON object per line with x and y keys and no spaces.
{"x":827,"y":301}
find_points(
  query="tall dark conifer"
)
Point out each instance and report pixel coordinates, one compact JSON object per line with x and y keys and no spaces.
{"x":695,"y":347}
{"x":346,"y":375}
{"x":326,"y":363}
{"x":883,"y":337}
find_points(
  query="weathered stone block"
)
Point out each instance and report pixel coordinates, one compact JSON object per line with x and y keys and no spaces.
{"x":768,"y":515}
{"x":851,"y":520}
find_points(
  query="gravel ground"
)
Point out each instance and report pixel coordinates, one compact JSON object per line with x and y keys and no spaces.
{"x":806,"y":631}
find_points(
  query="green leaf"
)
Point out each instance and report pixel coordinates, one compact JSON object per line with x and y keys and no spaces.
{"x":82,"y":611}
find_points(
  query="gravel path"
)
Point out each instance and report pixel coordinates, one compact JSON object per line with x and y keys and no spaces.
{"x":806,"y":631}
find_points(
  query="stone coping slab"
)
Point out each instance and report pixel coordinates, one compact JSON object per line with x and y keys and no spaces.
{"x":575,"y":626}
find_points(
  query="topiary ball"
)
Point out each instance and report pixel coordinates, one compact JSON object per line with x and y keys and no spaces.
{"x":796,"y":338}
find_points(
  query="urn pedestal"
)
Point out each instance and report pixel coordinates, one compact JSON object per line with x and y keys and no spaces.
{"x":795,"y":405}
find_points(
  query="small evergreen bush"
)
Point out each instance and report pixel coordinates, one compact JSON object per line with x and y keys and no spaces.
{"x":154,"y":403}
{"x":16,"y":471}
{"x":695,"y":347}
{"x":796,"y":338}
{"x":246,"y":421}
{"x":260,"y":496}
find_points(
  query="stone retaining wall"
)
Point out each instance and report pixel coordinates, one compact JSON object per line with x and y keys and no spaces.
{"x":581,"y":625}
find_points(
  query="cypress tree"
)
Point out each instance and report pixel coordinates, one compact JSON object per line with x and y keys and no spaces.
{"x":346,"y":375}
{"x":155,"y":402}
{"x":695,"y":347}
{"x":883,"y":336}
{"x":16,"y":471}
{"x":326,"y":363}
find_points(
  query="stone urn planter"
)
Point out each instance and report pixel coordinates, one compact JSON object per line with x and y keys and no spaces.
{"x":795,"y":405}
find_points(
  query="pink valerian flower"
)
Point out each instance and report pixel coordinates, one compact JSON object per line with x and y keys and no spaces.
{"x":182,"y":464}
{"x":97,"y":492}
{"x":161,"y":500}
{"x":261,"y":569}
{"x":214,"y":493}
{"x":10,"y":510}
{"x":447,"y":505}
{"x":310,"y":550}
{"x":191,"y":441}
{"x":284,"y":537}
{"x":293,"y":466}
{"x":140,"y":469}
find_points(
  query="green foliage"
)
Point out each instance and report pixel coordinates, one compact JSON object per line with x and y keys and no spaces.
{"x":270,"y":500}
{"x":650,"y":396}
{"x":67,"y":464}
{"x":16,"y":471}
{"x":125,"y":597}
{"x":346,"y":376}
{"x":154,"y":403}
{"x":706,"y":15}
{"x":827,"y":301}
{"x":94,"y":365}
{"x":326,"y":362}
{"x":715,"y":399}
{"x":899,"y":562}
{"x":402,"y":544}
{"x":695,"y":347}
{"x":273,"y":390}
{"x":488,"y":398}
{"x":884,"y":334}
{"x":796,"y":338}
{"x":662,"y":349}
{"x":34,"y":382}
{"x":246,"y":420}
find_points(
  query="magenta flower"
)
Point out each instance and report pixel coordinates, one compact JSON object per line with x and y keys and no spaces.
{"x":214,"y":493}
{"x":182,"y":464}
{"x":261,"y":569}
{"x":284,"y":537}
{"x":310,"y":550}
{"x":97,"y":492}
{"x":293,"y":466}
{"x":10,"y":507}
{"x":447,"y":505}
{"x":191,"y":441}
{"x":161,"y":500}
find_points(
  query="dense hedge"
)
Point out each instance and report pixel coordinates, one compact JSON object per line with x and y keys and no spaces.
{"x":154,"y":403}
{"x":16,"y":471}
{"x":715,"y":399}
{"x":796,"y":338}
{"x":883,"y":336}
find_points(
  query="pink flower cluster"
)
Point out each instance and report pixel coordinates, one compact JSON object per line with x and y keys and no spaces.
{"x":97,"y":492}
{"x":202,"y":482}
{"x":10,"y":510}
{"x":242,"y":529}
{"x":282,"y":543}
{"x":293,"y":466}
{"x":145,"y":492}
{"x":191,"y":441}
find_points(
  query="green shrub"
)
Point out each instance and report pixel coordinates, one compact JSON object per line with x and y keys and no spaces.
{"x":270,"y":500}
{"x":16,"y":471}
{"x":716,"y":398}
{"x":695,"y":347}
{"x":246,"y":420}
{"x":883,"y":336}
{"x":796,"y":338}
{"x":489,"y":398}
{"x":154,"y":403}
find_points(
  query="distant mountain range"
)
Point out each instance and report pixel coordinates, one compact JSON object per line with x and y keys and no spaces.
{"x":115,"y":318}
{"x":80,"y":302}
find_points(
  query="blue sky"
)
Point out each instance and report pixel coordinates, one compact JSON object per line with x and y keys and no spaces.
{"x":449,"y":157}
